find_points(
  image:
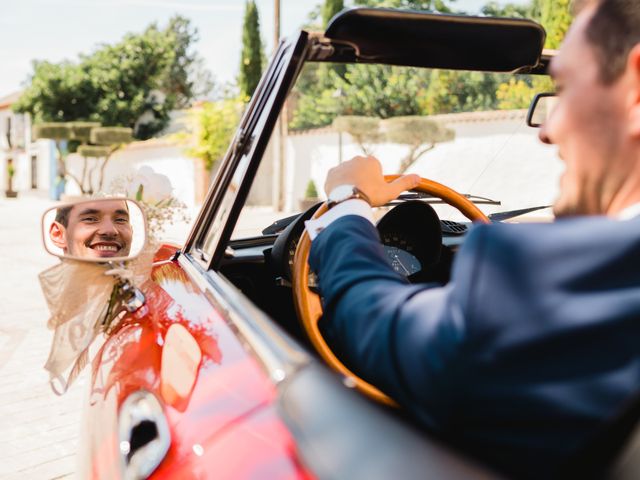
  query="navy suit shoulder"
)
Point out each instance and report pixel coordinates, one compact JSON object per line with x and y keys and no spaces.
{"x":561,"y":274}
{"x":529,"y":348}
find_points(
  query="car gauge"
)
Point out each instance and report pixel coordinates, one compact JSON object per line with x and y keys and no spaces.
{"x":399,"y":251}
{"x":402,"y":262}
{"x":291,"y":253}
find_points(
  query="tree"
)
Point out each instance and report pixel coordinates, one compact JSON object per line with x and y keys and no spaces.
{"x":129,"y":77}
{"x":430,"y":5}
{"x":516,"y":93}
{"x":252,"y":57}
{"x":61,"y":133}
{"x":512,"y":10}
{"x":364,"y":130}
{"x":311,"y":191}
{"x":536,"y":7}
{"x":134,"y":83}
{"x":94,"y":142}
{"x":186,"y":78}
{"x":381,"y":90}
{"x":11,"y":171}
{"x":329,"y":9}
{"x":388,"y":91}
{"x":217,"y":122}
{"x":59,"y":92}
{"x":450,"y":91}
{"x":419,"y":133}
{"x":556,"y":18}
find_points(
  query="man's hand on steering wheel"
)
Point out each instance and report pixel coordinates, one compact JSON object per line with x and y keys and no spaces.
{"x":365,"y":173}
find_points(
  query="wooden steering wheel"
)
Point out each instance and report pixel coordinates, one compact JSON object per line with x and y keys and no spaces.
{"x":308,"y":303}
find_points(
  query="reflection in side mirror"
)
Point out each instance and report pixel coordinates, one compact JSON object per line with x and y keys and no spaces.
{"x":540,"y":108}
{"x":97,"y":230}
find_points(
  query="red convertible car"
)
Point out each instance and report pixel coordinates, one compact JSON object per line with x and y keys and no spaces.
{"x":222,"y":373}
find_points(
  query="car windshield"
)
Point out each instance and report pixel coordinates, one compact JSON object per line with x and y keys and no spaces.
{"x":464,"y":129}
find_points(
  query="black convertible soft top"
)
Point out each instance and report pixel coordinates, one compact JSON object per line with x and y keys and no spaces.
{"x":421,"y":39}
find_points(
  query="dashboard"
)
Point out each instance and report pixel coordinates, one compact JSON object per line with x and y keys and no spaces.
{"x":412,"y":238}
{"x":417,"y":244}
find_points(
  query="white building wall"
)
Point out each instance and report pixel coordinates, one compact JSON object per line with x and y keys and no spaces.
{"x":22,"y":151}
{"x":162,"y":157}
{"x":497,"y":158}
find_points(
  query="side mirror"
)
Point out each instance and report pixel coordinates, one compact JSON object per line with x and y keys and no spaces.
{"x":96,"y":230}
{"x":540,"y":108}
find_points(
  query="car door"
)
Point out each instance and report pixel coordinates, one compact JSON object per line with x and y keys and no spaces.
{"x":221,"y":421}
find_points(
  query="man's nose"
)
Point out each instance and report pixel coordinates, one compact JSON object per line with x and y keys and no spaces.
{"x":107,"y":227}
{"x":543,"y":134}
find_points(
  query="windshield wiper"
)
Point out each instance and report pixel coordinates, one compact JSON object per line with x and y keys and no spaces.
{"x":502,"y":216}
{"x":279,"y":225}
{"x":431,"y":199}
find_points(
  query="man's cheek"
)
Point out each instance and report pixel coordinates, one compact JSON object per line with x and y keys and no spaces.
{"x":126,"y":234}
{"x":83,"y":237}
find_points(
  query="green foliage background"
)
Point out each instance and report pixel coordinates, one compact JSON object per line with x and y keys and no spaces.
{"x":133,"y":83}
{"x":329,"y":9}
{"x":324,"y":92}
{"x":311,"y":191}
{"x":217,"y":121}
{"x":252,"y":59}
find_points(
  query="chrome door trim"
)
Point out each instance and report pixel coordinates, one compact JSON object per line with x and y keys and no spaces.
{"x":276,"y":351}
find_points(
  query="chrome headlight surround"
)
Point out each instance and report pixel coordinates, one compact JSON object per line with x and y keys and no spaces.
{"x":143,"y":435}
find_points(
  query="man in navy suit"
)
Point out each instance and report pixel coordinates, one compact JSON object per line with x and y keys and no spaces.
{"x":535,"y":342}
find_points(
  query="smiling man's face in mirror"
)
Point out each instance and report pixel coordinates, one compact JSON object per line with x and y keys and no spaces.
{"x":100,"y":229}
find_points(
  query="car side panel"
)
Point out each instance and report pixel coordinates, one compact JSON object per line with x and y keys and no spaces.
{"x":258,"y":446}
{"x":227,"y":410}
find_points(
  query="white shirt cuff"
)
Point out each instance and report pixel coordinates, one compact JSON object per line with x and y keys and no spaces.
{"x":349,"y":207}
{"x":629,"y":212}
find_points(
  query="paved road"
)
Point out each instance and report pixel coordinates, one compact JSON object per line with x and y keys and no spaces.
{"x":38,"y":430}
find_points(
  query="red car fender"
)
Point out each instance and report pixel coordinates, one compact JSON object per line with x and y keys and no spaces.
{"x":225,"y":427}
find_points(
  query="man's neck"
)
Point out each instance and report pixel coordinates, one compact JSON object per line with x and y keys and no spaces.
{"x":626,"y":194}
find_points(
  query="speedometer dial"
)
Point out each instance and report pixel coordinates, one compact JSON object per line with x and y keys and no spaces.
{"x":402,"y":262}
{"x":399,"y":254}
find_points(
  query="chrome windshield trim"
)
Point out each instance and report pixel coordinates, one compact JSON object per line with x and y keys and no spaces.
{"x":275,"y":350}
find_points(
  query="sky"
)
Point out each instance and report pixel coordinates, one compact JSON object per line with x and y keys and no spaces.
{"x":55,"y":30}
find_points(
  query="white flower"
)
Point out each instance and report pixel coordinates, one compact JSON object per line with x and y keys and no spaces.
{"x":149,"y":187}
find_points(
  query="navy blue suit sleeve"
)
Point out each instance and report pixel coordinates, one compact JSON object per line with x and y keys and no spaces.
{"x":406,"y":339}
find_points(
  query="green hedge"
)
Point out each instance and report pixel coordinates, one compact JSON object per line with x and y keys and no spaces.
{"x":94,"y":151}
{"x":52,"y":131}
{"x":311,"y":191}
{"x":82,"y":130}
{"x":111,"y":135}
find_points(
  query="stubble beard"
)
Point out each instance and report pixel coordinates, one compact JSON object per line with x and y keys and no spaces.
{"x":586,"y":199}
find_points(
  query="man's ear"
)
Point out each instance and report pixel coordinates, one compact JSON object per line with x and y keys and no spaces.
{"x":58,"y":235}
{"x":633,"y":69}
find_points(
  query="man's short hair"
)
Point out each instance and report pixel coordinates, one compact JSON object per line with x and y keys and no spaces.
{"x":614,"y":29}
{"x":62,"y":215}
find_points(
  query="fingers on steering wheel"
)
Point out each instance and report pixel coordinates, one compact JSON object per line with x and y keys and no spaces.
{"x":308,"y":303}
{"x":403,"y":183}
